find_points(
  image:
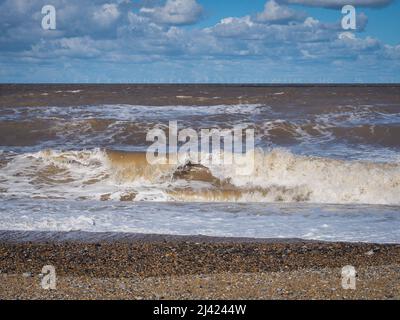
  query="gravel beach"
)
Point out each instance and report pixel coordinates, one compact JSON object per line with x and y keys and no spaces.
{"x":136,"y":266}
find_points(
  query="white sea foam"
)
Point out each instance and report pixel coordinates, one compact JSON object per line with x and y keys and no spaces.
{"x":320,"y":180}
{"x":278,"y":176}
{"x":124,"y":112}
{"x":319,"y":222}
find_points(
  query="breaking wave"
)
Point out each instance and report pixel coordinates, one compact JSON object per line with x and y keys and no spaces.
{"x":278,"y":176}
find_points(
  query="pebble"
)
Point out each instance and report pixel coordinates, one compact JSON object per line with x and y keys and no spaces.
{"x":192,"y":269}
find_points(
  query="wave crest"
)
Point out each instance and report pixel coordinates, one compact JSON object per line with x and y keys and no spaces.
{"x":278,"y":176}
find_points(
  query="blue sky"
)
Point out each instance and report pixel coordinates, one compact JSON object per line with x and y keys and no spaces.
{"x":231,"y":41}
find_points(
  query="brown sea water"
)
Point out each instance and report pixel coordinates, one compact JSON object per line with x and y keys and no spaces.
{"x":330,"y":152}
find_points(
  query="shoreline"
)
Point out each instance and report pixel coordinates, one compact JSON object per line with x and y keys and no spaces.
{"x":20,"y":236}
{"x":135,"y":266}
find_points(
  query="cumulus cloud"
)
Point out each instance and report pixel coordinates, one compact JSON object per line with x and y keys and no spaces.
{"x":275,"y":13}
{"x":74,"y":47}
{"x":234,"y":27}
{"x":175,"y":12}
{"x":392,"y":52}
{"x":358,"y":44}
{"x":114,"y":32}
{"x":106,"y":14}
{"x":20,"y":21}
{"x":339,"y":3}
{"x":117,"y":32}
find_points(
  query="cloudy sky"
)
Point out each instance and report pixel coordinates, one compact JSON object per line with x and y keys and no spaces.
{"x":269,"y":41}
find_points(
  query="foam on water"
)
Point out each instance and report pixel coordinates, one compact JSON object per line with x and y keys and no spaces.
{"x":344,"y":132}
{"x":277,"y":176}
{"x":324,"y":172}
{"x":125,"y":112}
{"x":353,"y":223}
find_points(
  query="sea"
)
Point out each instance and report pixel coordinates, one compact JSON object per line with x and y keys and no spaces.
{"x":325,"y":162}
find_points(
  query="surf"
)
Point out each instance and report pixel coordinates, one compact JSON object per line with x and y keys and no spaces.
{"x":278,"y":176}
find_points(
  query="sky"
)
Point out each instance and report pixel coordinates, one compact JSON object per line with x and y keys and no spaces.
{"x":199,"y":41}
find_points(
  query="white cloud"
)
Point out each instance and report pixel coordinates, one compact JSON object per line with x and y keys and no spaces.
{"x":307,"y":54}
{"x":347,"y":35}
{"x":234,"y":27}
{"x":118,"y":34}
{"x":311,"y":22}
{"x":339,"y":3}
{"x":358,"y":44}
{"x":392,"y":52}
{"x":106,"y":14}
{"x":175,"y":12}
{"x":273,"y":12}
